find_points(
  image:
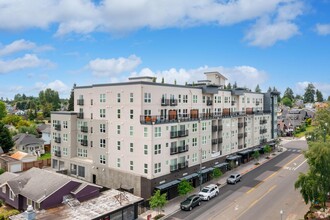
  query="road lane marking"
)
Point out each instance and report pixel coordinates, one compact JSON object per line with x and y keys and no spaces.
{"x":299,"y":165}
{"x":256,"y":201}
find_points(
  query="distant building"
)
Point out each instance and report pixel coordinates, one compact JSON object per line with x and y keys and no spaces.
{"x":44,"y":131}
{"x":29,"y":143}
{"x":10,"y":164}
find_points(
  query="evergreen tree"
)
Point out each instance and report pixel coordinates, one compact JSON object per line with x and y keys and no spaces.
{"x":228,"y":86}
{"x":319,"y":96}
{"x":269,"y":89}
{"x":298,"y":97}
{"x":3,"y":111}
{"x":6,"y":141}
{"x":257,"y":89}
{"x":288,"y":93}
{"x":309,"y":93}
{"x":71,"y":99}
{"x":235,"y":85}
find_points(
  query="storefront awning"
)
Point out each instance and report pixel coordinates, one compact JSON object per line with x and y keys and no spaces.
{"x":207,"y":170}
{"x":188,"y":177}
{"x":244,"y":152}
{"x":221,"y":165}
{"x":167,"y":185}
{"x":235,"y":157}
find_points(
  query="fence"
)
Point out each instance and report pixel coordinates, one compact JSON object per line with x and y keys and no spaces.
{"x":39,"y":163}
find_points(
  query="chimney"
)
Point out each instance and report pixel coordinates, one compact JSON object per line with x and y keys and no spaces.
{"x":30,"y":214}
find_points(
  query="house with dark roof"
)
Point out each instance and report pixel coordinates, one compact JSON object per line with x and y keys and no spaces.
{"x":43,"y":189}
{"x":290,"y":119}
{"x":29,"y":143}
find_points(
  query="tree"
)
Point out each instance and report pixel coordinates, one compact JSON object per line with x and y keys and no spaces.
{"x":50,"y":98}
{"x":28,"y":130}
{"x":3,"y":111}
{"x":267,"y":150}
{"x":287,"y":102}
{"x":71,"y":99}
{"x":6,"y":141}
{"x":184,"y":187}
{"x":228,"y":86}
{"x":158,"y":201}
{"x":328,"y":99}
{"x":216,"y":173}
{"x":12,"y":120}
{"x":256,"y":155}
{"x":288,"y":93}
{"x":257,"y":89}
{"x":235,"y":85}
{"x":309,"y":93}
{"x":298,"y":97}
{"x":1,"y":172}
{"x":163,"y":81}
{"x":319,"y":96}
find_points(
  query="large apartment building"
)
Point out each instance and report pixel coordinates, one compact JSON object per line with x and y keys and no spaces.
{"x":141,"y":135}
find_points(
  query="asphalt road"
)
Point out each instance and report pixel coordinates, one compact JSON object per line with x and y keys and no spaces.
{"x":261,"y":194}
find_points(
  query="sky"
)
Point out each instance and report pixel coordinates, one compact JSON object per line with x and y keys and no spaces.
{"x":58,"y":43}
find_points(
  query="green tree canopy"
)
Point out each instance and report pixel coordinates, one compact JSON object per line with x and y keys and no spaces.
{"x":3,"y":111}
{"x":319,"y":96}
{"x":228,"y":87}
{"x":309,"y":93}
{"x":12,"y":120}
{"x":6,"y":141}
{"x":184,"y":187}
{"x":50,"y":101}
{"x":257,"y":89}
{"x":256,"y":155}
{"x":267,"y":149}
{"x":216,"y":173}
{"x":287,"y":102}
{"x":288,"y":93}
{"x":158,"y":201}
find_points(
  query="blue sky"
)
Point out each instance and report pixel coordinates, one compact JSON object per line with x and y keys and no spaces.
{"x":56,"y":43}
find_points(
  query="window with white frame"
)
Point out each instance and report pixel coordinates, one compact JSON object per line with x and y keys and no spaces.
{"x":145,"y":149}
{"x":118,"y":162}
{"x":204,"y":126}
{"x":65,"y":124}
{"x":102,"y":97}
{"x":65,"y":151}
{"x":131,"y":131}
{"x":118,"y":129}
{"x":131,"y":97}
{"x":147,"y":97}
{"x":203,"y":140}
{"x":145,"y":131}
{"x":194,"y":98}
{"x":84,"y":153}
{"x":194,"y":127}
{"x":28,"y":201}
{"x":204,"y":154}
{"x":179,"y":97}
{"x":147,"y":112}
{"x":102,"y":128}
{"x":194,"y":142}
{"x":65,"y":137}
{"x":102,"y":159}
{"x":146,"y":168}
{"x":79,"y":152}
{"x":185,"y":98}
{"x":158,"y":149}
{"x":248,"y":100}
{"x":118,"y":97}
{"x":158,"y":167}
{"x":131,"y":147}
{"x":81,"y":171}
{"x":102,"y":143}
{"x":11,"y":195}
{"x":118,"y":113}
{"x":158,"y":131}
{"x":131,"y":165}
{"x":118,"y":145}
{"x":4,"y":189}
{"x":194,"y":157}
{"x":131,"y":113}
{"x":226,"y":99}
{"x":102,"y":113}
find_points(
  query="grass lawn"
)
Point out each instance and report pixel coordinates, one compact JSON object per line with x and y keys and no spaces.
{"x":301,"y":134}
{"x":45,"y":156}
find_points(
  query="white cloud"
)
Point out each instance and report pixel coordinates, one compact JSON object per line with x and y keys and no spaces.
{"x":323,"y":87}
{"x":56,"y":85}
{"x":27,"y":61}
{"x":112,"y":67}
{"x":117,"y":16}
{"x":245,"y":76}
{"x":22,"y":45}
{"x":323,"y":29}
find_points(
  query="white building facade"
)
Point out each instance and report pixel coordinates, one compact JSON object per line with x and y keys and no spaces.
{"x":141,"y":135}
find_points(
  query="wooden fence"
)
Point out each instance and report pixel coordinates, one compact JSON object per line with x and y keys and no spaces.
{"x":39,"y":163}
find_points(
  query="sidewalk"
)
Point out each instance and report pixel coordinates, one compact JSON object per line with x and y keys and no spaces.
{"x":173,"y":205}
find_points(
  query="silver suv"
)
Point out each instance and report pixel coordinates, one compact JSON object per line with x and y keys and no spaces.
{"x":209,"y":192}
{"x":234,"y":178}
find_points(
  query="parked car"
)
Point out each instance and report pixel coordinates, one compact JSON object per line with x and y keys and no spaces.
{"x":190,"y":202}
{"x":209,"y":192}
{"x":234,"y":178}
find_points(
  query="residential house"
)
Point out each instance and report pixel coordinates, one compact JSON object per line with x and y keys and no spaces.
{"x":10,"y":164}
{"x":44,"y":132}
{"x":24,"y":157}
{"x":29,"y":143}
{"x":43,"y":189}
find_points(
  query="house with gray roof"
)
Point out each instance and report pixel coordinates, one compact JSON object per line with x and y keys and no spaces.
{"x":44,"y":131}
{"x":43,"y":189}
{"x":29,"y":143}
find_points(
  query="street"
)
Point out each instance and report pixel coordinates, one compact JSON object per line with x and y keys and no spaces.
{"x":266,"y":192}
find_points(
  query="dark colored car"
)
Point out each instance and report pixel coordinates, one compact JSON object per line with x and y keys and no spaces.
{"x":190,"y":202}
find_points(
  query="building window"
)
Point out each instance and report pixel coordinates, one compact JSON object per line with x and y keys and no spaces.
{"x":79,"y":152}
{"x":194,"y":98}
{"x":158,"y":168}
{"x":84,"y":153}
{"x":118,"y":97}
{"x":204,"y":126}
{"x":194,"y":127}
{"x":65,"y":151}
{"x":204,"y":154}
{"x":102,"y":159}
{"x":158,"y":131}
{"x":102,"y":128}
{"x":73,"y":169}
{"x":185,"y":98}
{"x":102,"y":143}
{"x":204,"y":99}
{"x":131,"y":114}
{"x":118,"y":145}
{"x":203,"y":140}
{"x":118,"y":113}
{"x":11,"y":195}
{"x":102,"y":97}
{"x":147,"y":112}
{"x":146,"y":168}
{"x":145,"y":131}
{"x":131,"y":131}
{"x":81,"y":171}
{"x":194,"y":157}
{"x":118,"y":129}
{"x":194,"y":141}
{"x":145,"y":149}
{"x":4,"y":189}
{"x":131,"y":97}
{"x":65,"y":124}
{"x":131,"y":146}
{"x":102,"y":113}
{"x":29,"y":201}
{"x":65,"y":137}
{"x":147,"y":97}
{"x":131,"y":165}
{"x":91,"y":101}
{"x":118,"y":162}
{"x":158,"y":149}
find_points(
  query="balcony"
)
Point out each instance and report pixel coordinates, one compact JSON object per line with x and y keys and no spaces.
{"x":182,"y":165}
{"x":57,"y":127}
{"x":263,"y":130}
{"x":209,"y":102}
{"x":57,"y":153}
{"x":257,"y":102}
{"x":233,"y":102}
{"x":80,"y":102}
{"x":263,"y":121}
{"x":180,"y":149}
{"x":165,"y":102}
{"x":220,"y":140}
{"x":174,"y":168}
{"x":220,"y":127}
{"x":84,"y":142}
{"x":80,"y":115}
{"x":173,"y":102}
{"x":240,"y":135}
{"x":84,"y":129}
{"x":214,"y":128}
{"x":57,"y":140}
{"x":214,"y":141}
{"x":263,"y":140}
{"x":176,"y":134}
{"x":240,"y":125}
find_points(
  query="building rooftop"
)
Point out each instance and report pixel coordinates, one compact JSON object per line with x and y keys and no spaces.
{"x":108,"y":201}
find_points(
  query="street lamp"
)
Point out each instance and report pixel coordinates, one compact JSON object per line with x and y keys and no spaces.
{"x":281,"y":212}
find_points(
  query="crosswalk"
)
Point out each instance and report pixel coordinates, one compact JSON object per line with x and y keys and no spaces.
{"x":294,"y":150}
